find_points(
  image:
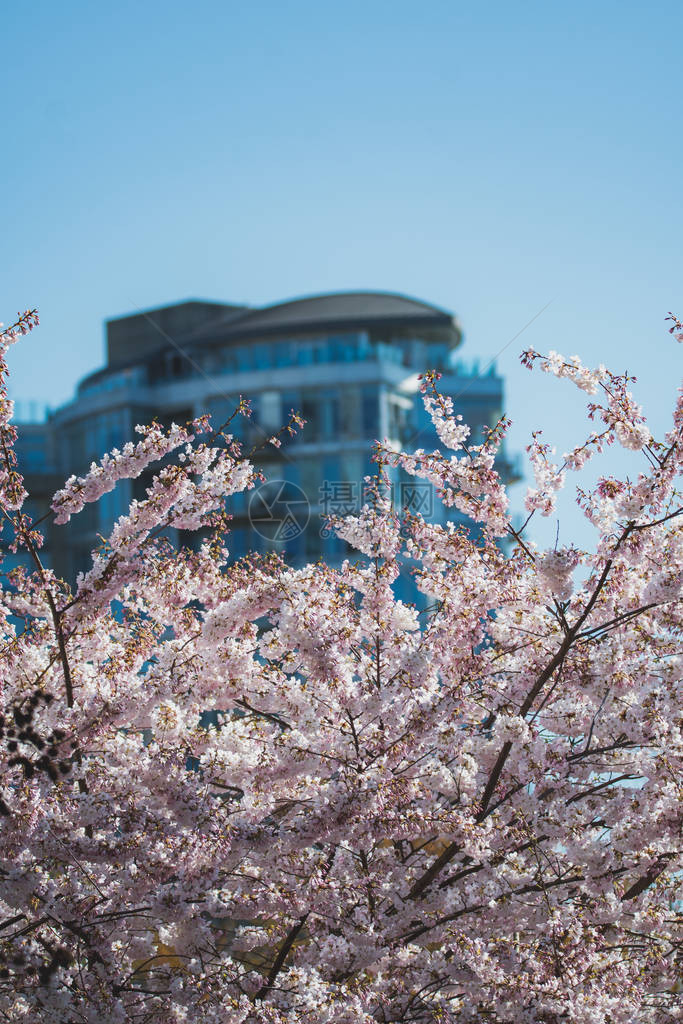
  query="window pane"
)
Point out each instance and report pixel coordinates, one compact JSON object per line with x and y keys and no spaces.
{"x":370,"y":412}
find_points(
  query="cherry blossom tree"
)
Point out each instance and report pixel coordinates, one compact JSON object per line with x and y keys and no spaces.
{"x":241,"y":792}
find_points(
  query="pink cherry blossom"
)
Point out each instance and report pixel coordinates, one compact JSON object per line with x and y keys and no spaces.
{"x":238,"y":792}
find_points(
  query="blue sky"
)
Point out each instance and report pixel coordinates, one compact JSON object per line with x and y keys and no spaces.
{"x":490,"y":158}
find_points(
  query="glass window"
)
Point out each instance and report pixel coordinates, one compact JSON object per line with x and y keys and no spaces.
{"x":370,"y":412}
{"x":389,"y":352}
{"x":227,"y":360}
{"x":283,"y":353}
{"x":333,"y":547}
{"x":351,"y":467}
{"x":329,"y":414}
{"x":363,"y":346}
{"x":107,"y":511}
{"x":100,"y":434}
{"x":343,"y":347}
{"x":398,"y":421}
{"x":254,"y":420}
{"x":309,"y":479}
{"x":291,"y":473}
{"x":331,"y":469}
{"x":32,"y":454}
{"x":220,"y":409}
{"x":321,"y":353}
{"x":290,"y":400}
{"x":313,"y":541}
{"x":261,"y":355}
{"x":369,"y":469}
{"x":304,"y":354}
{"x":178,"y":366}
{"x":295,"y":547}
{"x":437,"y":356}
{"x":255,"y":542}
{"x":271,"y":413}
{"x":237,"y":503}
{"x":310,"y":410}
{"x":82,"y":559}
{"x":243,"y":358}
{"x":237,"y":543}
{"x":350,"y":412}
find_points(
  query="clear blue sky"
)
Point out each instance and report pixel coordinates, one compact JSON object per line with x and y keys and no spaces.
{"x":488,"y":157}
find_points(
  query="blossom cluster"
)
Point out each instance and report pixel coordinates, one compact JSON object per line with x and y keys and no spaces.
{"x":555,"y":569}
{"x":117,"y":465}
{"x":622,"y":415}
{"x":548,"y":477}
{"x":12,"y":492}
{"x":236,"y":792}
{"x":24,"y":323}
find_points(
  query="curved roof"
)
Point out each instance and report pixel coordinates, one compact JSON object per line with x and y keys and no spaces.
{"x":336,"y":310}
{"x":344,"y":306}
{"x":138,"y":336}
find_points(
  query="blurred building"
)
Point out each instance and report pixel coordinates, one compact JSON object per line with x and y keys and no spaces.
{"x":349,"y":362}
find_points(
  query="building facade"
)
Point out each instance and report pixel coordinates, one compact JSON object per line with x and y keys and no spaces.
{"x":348,"y":362}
